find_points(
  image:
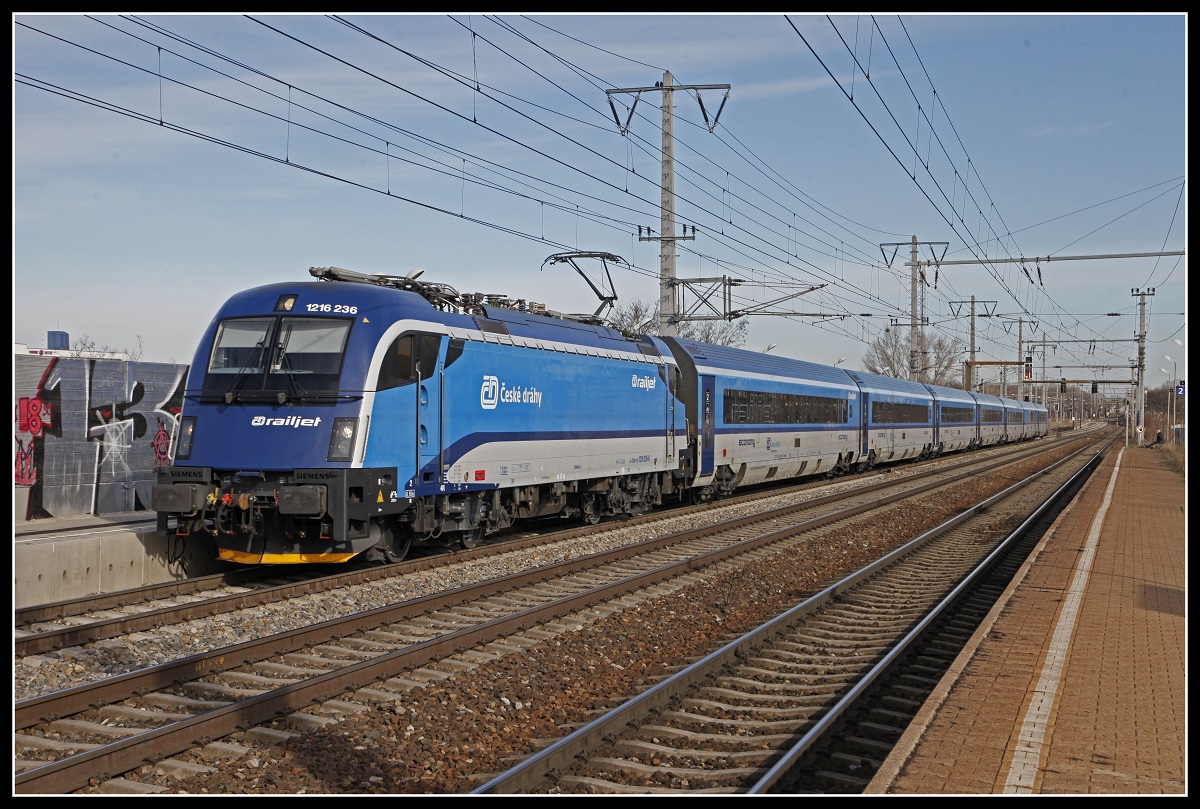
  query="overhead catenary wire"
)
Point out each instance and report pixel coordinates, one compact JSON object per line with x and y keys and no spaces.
{"x":976,"y":249}
{"x":755,"y":246}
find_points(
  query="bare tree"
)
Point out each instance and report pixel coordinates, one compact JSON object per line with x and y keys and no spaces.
{"x":641,"y":317}
{"x":85,"y":346}
{"x":717,"y":332}
{"x":635,"y":317}
{"x":938,"y":357}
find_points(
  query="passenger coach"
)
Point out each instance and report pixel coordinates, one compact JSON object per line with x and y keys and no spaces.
{"x":899,"y":418}
{"x":956,"y":419}
{"x":991,"y":419}
{"x":757,"y":417}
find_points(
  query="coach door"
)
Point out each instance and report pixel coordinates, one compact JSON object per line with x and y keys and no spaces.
{"x":707,"y":393}
{"x":671,"y":373}
{"x":863,"y":409}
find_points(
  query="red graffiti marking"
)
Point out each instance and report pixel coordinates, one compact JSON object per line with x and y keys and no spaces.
{"x":33,"y":416}
{"x":24,"y":472}
{"x":161,"y":444}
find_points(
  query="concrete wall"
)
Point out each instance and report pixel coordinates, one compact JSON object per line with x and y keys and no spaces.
{"x":89,"y":437}
{"x":90,"y":434}
{"x":102,"y":558}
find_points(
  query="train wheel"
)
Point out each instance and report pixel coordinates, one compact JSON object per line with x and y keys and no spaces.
{"x":397,"y":548}
{"x":591,"y":510}
{"x":471,"y":537}
{"x":387,"y":542}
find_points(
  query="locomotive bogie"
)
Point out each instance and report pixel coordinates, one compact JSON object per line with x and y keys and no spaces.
{"x":261,"y":517}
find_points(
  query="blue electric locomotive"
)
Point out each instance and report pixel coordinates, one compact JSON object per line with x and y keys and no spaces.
{"x":354,"y":415}
{"x":326,"y":420}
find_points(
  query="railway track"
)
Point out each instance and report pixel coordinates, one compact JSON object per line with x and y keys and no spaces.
{"x":65,"y":740}
{"x":811,"y":701}
{"x":51,"y":627}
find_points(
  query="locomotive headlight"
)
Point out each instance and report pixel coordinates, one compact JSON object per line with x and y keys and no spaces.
{"x":341,"y":442}
{"x":183,"y":439}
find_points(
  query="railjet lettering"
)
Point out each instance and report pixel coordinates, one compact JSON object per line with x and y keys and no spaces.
{"x":290,"y":421}
{"x":644,"y":382}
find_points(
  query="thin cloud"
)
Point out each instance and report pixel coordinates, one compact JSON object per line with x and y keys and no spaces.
{"x":1074,"y":131}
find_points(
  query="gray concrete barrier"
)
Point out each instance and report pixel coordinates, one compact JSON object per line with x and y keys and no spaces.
{"x":102,"y":558}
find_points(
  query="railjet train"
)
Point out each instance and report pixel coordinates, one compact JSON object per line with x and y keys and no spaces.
{"x":354,"y":415}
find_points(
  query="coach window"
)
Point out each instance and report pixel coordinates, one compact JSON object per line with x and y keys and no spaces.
{"x":957,"y":415}
{"x":899,"y":413}
{"x":758,"y":407}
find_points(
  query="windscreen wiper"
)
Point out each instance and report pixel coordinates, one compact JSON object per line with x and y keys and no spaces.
{"x":282,"y":363}
{"x":232,"y":395}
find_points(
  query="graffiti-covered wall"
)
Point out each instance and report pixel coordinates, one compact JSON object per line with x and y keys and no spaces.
{"x":90,"y":434}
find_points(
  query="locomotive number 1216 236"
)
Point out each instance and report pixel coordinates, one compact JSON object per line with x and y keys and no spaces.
{"x":336,"y":308}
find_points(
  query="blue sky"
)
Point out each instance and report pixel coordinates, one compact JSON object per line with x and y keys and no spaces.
{"x":162,"y":163}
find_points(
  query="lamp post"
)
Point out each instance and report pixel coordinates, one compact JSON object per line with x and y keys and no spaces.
{"x":1174,"y":399}
{"x":1174,"y":372}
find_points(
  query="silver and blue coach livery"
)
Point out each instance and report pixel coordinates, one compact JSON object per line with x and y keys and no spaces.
{"x":899,"y":418}
{"x":991,"y":419}
{"x":355,"y":414}
{"x":955,"y":420}
{"x":758,"y":417}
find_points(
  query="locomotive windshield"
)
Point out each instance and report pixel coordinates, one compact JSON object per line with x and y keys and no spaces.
{"x":276,"y":359}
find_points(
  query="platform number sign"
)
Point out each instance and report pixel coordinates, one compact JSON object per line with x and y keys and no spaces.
{"x":1179,"y":389}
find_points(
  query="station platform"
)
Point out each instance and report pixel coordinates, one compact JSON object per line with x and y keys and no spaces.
{"x":1076,"y":682}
